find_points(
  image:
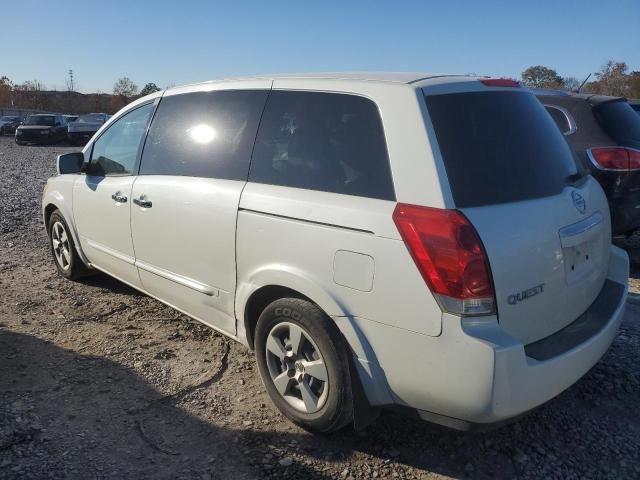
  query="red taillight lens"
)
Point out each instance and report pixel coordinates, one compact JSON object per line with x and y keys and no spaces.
{"x":616,"y":158}
{"x":500,"y":82}
{"x":450,"y":256}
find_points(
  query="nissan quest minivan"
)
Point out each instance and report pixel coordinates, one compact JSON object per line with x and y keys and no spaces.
{"x":410,"y":240}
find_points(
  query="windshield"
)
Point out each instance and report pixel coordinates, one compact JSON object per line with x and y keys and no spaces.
{"x":499,"y":147}
{"x":620,"y":121}
{"x":91,"y":118}
{"x":41,"y":120}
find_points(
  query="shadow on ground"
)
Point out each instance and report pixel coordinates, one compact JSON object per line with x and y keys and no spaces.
{"x":65,"y":415}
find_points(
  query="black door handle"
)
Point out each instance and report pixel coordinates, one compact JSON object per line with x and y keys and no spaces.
{"x":142,"y":202}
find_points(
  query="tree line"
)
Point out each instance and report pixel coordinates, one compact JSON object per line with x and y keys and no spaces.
{"x":32,"y":94}
{"x":614,"y":78}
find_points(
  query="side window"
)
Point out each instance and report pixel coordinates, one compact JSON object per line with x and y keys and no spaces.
{"x":323,"y":141}
{"x":116,"y":151}
{"x":563,"y":119}
{"x":204,"y":134}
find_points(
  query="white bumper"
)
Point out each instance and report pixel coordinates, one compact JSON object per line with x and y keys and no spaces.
{"x":475,"y":372}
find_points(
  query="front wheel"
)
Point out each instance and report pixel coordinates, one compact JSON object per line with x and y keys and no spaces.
{"x":68,"y":262}
{"x":304,"y":365}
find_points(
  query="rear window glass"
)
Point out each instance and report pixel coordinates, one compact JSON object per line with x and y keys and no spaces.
{"x":499,"y":147}
{"x":620,"y":122}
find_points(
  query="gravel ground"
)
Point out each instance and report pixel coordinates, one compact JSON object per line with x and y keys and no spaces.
{"x":99,"y":381}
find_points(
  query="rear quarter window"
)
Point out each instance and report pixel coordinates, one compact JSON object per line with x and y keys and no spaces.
{"x":499,"y":147}
{"x":329,"y":142}
{"x":562,"y":119}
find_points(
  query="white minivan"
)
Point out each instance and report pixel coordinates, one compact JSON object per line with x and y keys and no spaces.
{"x":411,"y":240}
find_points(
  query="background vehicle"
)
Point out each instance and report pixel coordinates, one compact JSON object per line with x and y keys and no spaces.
{"x":9,"y":124}
{"x":426,"y":239}
{"x":71,"y":118}
{"x":85,"y":127}
{"x":41,"y":128}
{"x":605,"y":133}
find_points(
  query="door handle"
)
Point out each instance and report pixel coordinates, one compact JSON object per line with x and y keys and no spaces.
{"x":143,"y":202}
{"x":119,"y":197}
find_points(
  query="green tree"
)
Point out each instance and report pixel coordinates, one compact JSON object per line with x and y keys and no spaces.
{"x":149,"y":88}
{"x":540,"y":76}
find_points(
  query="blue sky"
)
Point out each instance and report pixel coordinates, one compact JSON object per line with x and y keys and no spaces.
{"x":174,"y":42}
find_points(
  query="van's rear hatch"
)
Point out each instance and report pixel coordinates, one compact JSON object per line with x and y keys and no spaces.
{"x":545,"y":227}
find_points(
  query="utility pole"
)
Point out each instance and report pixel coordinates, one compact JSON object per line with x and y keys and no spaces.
{"x":71,"y":88}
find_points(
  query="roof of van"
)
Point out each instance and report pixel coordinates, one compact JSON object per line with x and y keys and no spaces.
{"x":391,"y":77}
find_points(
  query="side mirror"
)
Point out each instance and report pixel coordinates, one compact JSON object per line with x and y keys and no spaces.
{"x":70,"y":163}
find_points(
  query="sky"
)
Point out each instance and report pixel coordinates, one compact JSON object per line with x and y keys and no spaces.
{"x":176,"y":42}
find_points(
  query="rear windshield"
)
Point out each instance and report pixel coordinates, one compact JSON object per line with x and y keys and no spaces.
{"x":620,"y":121}
{"x":41,"y":120}
{"x":499,"y":147}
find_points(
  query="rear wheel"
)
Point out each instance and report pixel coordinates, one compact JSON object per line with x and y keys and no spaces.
{"x":304,"y":365}
{"x":63,"y":249}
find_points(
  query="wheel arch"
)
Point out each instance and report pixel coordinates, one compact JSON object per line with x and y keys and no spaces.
{"x":271,"y":283}
{"x":53,"y":201}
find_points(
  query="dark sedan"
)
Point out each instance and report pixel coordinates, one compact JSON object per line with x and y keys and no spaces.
{"x":42,"y":128}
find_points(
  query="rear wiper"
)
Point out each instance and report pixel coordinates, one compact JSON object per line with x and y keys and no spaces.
{"x":576,"y":177}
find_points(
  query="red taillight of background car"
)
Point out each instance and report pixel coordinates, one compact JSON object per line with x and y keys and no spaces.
{"x":616,"y":158}
{"x":450,"y":257}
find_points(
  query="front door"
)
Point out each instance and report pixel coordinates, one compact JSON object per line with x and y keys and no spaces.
{"x":102,"y":197}
{"x":185,"y":200}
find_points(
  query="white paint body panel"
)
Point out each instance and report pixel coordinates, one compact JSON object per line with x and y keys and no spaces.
{"x":104,"y":225}
{"x":207,"y":245}
{"x":185,"y":243}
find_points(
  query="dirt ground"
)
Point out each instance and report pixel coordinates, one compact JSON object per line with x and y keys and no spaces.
{"x":100,"y":381}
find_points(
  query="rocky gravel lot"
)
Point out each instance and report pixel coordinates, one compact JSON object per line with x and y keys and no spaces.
{"x":99,"y":381}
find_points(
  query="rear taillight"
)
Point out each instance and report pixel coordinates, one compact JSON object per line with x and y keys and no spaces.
{"x":500,"y":82}
{"x":449,"y":254}
{"x":615,"y":158}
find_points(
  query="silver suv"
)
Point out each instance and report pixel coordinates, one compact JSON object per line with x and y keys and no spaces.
{"x":423,"y":241}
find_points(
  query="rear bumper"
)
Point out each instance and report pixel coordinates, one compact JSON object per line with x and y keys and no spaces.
{"x":475,"y":373}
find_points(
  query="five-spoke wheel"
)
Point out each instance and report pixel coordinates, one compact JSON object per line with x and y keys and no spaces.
{"x":63,"y":250}
{"x":304,"y":364}
{"x":297,"y":367}
{"x":60,"y":245}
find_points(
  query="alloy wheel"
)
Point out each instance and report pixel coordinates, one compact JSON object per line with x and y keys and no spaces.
{"x":61,"y":246}
{"x":297,"y":368}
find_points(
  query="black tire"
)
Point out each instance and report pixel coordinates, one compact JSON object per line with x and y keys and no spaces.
{"x":19,"y":142}
{"x":74,"y":268}
{"x":319,"y":332}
